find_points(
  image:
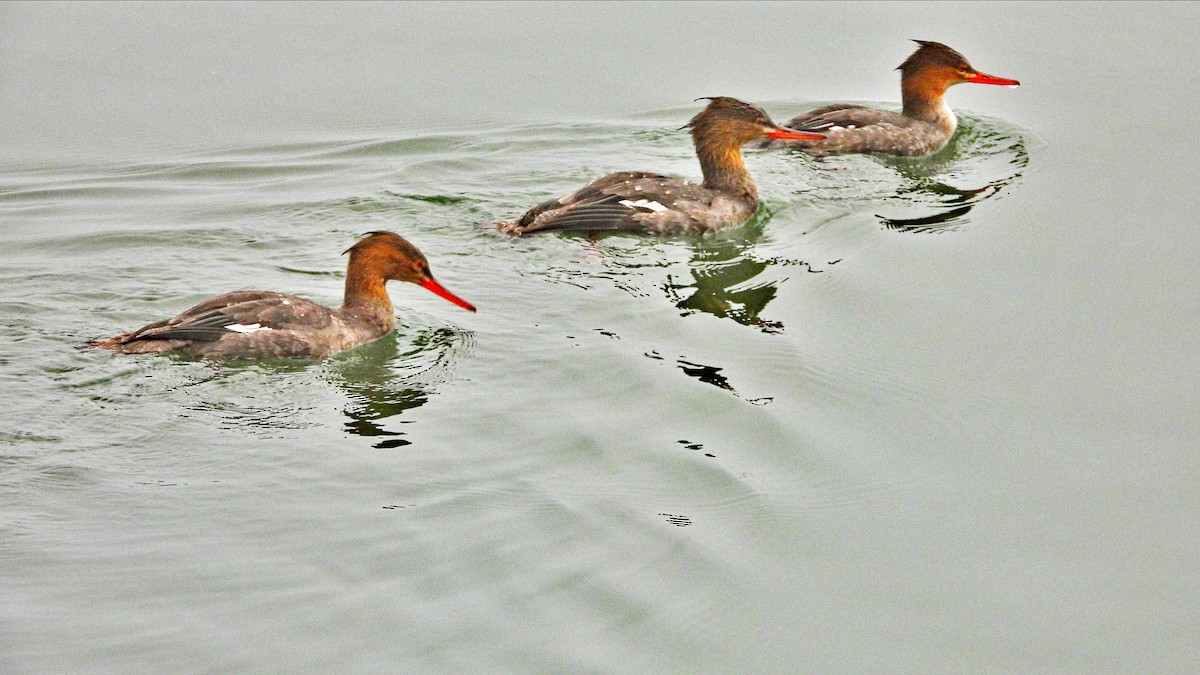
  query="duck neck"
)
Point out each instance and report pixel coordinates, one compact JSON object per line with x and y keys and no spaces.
{"x":924,"y":101}
{"x":366,"y":296}
{"x":723,"y":168}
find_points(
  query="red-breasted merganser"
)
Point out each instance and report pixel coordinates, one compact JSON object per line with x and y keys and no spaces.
{"x":923,"y":127}
{"x":658,"y":204}
{"x":265,"y":324}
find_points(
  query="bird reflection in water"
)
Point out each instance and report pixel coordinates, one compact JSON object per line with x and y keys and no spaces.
{"x":923,"y":194}
{"x":388,"y":377}
{"x":722,"y":270}
{"x":978,"y":157}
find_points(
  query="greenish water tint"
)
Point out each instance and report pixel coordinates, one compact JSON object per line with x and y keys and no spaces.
{"x":920,"y":415}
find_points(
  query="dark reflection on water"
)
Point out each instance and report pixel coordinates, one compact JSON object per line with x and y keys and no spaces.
{"x":720,"y":270}
{"x":694,"y":446}
{"x":723,"y":276}
{"x":272,"y":397}
{"x":723,"y":271}
{"x":381,"y":381}
{"x":721,"y":266}
{"x":927,"y":194}
{"x":677,"y":520}
{"x":982,"y":158}
{"x":708,"y":375}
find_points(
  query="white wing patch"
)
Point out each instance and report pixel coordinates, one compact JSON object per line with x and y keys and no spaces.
{"x":644,"y":203}
{"x":242,"y":328}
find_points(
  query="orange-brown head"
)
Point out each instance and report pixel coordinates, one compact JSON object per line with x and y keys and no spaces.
{"x":733,"y":122}
{"x":720,"y":130}
{"x":937,"y":66}
{"x":381,"y":256}
{"x":928,"y":72}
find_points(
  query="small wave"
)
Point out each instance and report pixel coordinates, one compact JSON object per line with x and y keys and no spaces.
{"x":984,"y":160}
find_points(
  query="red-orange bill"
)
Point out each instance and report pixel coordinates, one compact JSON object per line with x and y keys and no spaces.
{"x":984,"y":78}
{"x":793,"y":135}
{"x":438,"y":289}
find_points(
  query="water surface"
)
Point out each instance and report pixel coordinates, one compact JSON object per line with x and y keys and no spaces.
{"x":929,"y":415}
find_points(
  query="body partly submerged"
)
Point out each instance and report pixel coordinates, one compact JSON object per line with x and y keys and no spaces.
{"x":923,"y":126}
{"x":657,"y":204}
{"x":264,"y":324}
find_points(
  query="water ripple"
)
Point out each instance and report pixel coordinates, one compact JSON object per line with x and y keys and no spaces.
{"x":984,"y":160}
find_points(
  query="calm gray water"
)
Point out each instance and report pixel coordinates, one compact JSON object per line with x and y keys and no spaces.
{"x":933,"y":415}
